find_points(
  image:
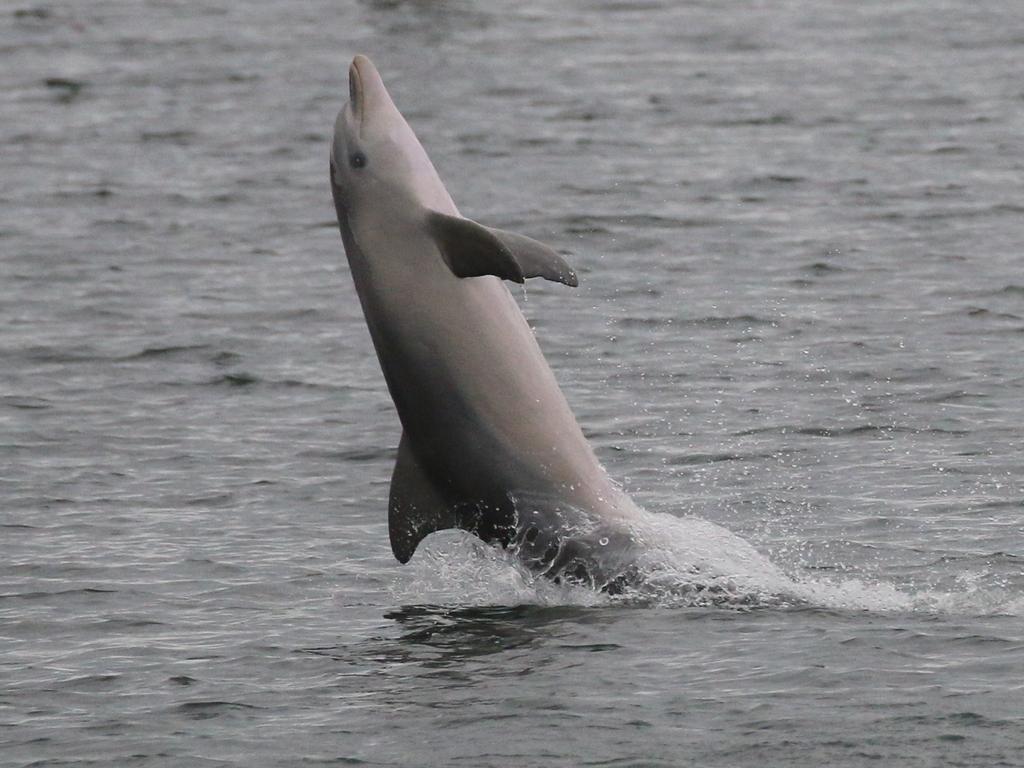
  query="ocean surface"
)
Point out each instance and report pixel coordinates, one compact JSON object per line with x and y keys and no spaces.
{"x":798,"y":342}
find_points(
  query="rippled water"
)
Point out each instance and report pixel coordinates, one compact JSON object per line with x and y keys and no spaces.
{"x":798,"y":229}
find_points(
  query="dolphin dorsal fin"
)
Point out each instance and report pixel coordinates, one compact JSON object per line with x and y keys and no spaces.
{"x":415,"y":509}
{"x":471,"y":250}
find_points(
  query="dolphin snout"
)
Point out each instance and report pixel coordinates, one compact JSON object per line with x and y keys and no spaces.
{"x":366,"y":89}
{"x":355,"y":86}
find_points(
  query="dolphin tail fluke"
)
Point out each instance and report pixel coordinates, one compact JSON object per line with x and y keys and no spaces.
{"x":472,"y":250}
{"x":415,"y":509}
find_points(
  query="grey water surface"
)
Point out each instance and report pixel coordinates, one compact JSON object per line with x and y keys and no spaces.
{"x":798,"y":228}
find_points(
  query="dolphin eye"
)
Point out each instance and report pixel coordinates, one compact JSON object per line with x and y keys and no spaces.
{"x":357,"y":160}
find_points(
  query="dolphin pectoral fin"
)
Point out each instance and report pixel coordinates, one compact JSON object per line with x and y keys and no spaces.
{"x":414,"y":509}
{"x":537,"y":259}
{"x":471,"y":250}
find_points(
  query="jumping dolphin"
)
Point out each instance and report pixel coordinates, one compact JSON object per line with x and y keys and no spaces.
{"x":489,"y":444}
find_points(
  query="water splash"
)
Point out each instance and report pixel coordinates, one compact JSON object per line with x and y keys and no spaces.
{"x":685,"y":562}
{"x":456,"y":567}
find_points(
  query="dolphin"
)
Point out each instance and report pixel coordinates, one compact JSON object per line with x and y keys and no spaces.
{"x":489,"y":444}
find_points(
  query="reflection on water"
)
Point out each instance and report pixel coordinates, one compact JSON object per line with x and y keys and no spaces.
{"x":436,"y":637}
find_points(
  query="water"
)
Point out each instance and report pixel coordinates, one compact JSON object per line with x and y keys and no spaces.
{"x":798,"y":342}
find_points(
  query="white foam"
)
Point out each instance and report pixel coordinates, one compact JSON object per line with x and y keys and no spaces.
{"x":454,"y":567}
{"x":685,"y":562}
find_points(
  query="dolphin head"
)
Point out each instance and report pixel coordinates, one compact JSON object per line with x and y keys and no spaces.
{"x":375,"y":156}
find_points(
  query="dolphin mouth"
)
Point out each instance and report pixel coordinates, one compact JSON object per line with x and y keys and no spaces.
{"x":367,"y":95}
{"x":356,"y":92}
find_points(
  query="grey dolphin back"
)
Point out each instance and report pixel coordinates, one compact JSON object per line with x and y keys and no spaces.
{"x":471,"y":250}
